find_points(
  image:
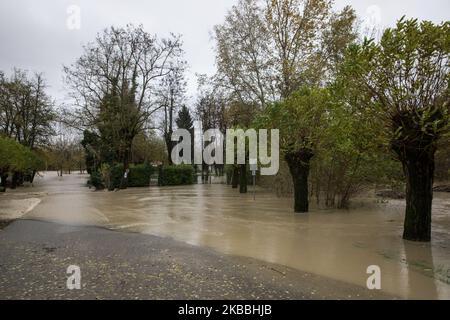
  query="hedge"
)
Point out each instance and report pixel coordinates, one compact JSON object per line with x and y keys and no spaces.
{"x":176,"y":175}
{"x":138,"y":176}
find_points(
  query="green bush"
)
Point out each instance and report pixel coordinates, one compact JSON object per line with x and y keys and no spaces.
{"x":139,"y":175}
{"x":96,"y":180}
{"x":18,"y":160}
{"x":116,"y":174}
{"x":176,"y":175}
{"x":110,"y":176}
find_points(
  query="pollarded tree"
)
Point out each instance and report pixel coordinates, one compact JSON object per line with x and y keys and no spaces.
{"x":301,"y":120}
{"x":406,"y":76}
{"x":184,"y":121}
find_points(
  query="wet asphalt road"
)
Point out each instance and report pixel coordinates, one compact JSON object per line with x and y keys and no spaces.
{"x":34,"y":257}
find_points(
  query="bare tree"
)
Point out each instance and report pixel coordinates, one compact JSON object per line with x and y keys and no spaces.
{"x":112,"y":83}
{"x":171,"y":96}
{"x":26,"y":111}
{"x":243,"y":53}
{"x":268,"y":49}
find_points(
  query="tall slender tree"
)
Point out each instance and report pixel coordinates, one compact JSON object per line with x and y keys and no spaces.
{"x":184,"y":121}
{"x":171,"y":96}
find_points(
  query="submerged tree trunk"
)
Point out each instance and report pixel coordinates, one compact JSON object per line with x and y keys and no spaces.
{"x":344,"y":201}
{"x":299,"y":164}
{"x":4,"y":178}
{"x":243,"y":178}
{"x":416,"y":149}
{"x":205,"y":173}
{"x":419,"y":171}
{"x":33,"y":175}
{"x":235,"y":178}
{"x":14,"y":179}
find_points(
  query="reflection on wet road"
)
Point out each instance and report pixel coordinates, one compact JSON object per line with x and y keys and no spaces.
{"x":337,"y":244}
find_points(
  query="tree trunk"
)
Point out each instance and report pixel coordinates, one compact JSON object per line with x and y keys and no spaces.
{"x":419,"y":172}
{"x":15,"y":176}
{"x":235,"y":178}
{"x":205,"y":173}
{"x":160,"y":175}
{"x":169,"y":146}
{"x":33,"y":175}
{"x":299,"y":164}
{"x":243,"y":178}
{"x":126,"y":166}
{"x":344,"y":201}
{"x":4,"y":178}
{"x":416,"y":149}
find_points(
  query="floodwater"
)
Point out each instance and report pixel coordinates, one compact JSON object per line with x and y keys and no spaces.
{"x":334,"y":243}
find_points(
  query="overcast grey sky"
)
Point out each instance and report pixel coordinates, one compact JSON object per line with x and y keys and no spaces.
{"x":34,"y":34}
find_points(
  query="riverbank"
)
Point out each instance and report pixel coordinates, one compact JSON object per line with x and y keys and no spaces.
{"x":34,"y":257}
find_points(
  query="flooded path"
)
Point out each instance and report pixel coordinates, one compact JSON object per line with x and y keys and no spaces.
{"x":333,"y":243}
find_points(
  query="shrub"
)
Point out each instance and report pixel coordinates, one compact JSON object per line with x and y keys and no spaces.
{"x":17,"y":160}
{"x":139,"y":175}
{"x":110,"y":176}
{"x":115,"y":176}
{"x":96,"y":180}
{"x":176,"y":175}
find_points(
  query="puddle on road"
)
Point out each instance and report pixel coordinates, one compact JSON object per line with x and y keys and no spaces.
{"x":333,"y":243}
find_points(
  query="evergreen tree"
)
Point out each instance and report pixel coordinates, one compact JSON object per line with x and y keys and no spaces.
{"x":184,"y":120}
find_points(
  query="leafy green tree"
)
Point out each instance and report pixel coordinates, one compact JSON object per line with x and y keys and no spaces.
{"x":406,"y":80}
{"x":148,"y":149}
{"x":301,"y":121}
{"x":17,"y":160}
{"x":267,"y":50}
{"x":352,"y":155}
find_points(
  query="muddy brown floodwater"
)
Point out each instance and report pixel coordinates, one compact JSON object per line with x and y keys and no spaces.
{"x":333,"y":243}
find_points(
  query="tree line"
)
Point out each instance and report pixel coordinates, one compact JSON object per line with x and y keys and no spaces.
{"x":352,"y":111}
